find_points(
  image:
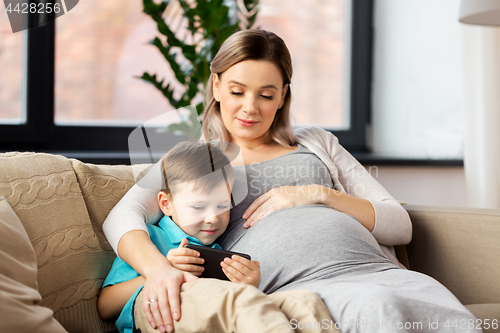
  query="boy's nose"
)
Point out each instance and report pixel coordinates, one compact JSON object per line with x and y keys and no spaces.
{"x":212,"y":219}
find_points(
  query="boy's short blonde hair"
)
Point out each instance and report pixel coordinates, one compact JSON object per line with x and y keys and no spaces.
{"x":201,"y":163}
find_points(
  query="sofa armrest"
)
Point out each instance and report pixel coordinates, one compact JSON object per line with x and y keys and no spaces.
{"x":459,"y":247}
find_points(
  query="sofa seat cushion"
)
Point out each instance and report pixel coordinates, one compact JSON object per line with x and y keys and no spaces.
{"x":487,"y":313}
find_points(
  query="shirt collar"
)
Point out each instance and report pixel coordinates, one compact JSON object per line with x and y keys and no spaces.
{"x":176,"y":234}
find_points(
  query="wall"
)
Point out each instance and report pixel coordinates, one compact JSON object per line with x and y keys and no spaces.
{"x":434,"y":186}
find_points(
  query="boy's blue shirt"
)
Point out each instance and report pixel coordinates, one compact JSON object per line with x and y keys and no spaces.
{"x":166,"y":235}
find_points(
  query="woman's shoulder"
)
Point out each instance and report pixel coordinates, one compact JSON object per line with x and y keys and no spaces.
{"x":314,"y":134}
{"x":309,"y":130}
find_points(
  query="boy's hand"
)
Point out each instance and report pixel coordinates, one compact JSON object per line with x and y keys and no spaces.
{"x":185,"y":259}
{"x":241,"y":270}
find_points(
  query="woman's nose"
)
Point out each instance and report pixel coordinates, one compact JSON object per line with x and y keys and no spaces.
{"x":250,"y":105}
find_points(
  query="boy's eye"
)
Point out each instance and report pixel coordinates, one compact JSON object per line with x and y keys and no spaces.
{"x":222,"y":206}
{"x":198,"y":207}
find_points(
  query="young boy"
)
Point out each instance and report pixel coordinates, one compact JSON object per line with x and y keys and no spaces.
{"x":196,"y":202}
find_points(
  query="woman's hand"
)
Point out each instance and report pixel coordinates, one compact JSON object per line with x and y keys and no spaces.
{"x":163,"y":282}
{"x":186,"y":260}
{"x":281,"y":197}
{"x":241,"y":270}
{"x":163,"y":286}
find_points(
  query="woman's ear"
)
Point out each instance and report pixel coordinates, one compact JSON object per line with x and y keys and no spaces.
{"x":215,"y":84}
{"x":165,"y":203}
{"x":283,"y":94}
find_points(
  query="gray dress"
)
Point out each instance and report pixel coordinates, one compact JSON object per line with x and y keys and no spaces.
{"x":318,"y":248}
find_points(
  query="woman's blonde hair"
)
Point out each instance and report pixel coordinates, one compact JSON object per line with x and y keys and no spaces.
{"x":243,"y":45}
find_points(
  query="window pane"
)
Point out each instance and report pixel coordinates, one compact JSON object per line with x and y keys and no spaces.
{"x":315,"y":33}
{"x":10,"y":71}
{"x":100,"y":47}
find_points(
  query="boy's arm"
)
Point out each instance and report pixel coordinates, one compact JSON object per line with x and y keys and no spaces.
{"x":113,"y":298}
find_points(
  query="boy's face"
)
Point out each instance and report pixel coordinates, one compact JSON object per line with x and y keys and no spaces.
{"x":204,"y":216}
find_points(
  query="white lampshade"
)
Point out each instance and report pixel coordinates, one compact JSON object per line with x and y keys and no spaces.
{"x":482,"y":12}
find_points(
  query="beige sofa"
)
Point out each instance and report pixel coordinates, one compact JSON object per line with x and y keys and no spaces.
{"x":62,"y":204}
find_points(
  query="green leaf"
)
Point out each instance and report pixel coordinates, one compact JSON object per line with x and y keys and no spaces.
{"x":179,"y":74}
{"x":210,"y":19}
{"x":166,"y":91}
{"x":199,"y":108}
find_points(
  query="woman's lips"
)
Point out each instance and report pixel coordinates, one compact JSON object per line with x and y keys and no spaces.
{"x":247,"y":123}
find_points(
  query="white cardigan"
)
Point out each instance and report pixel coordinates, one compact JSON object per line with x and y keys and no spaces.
{"x":392,"y":222}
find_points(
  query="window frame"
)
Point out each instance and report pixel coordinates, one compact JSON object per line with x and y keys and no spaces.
{"x":354,"y":139}
{"x":109,"y":144}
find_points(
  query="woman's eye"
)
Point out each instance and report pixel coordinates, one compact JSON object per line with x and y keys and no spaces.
{"x":236,"y":93}
{"x":268,"y":97}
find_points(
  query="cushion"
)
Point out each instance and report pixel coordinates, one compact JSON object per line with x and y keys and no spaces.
{"x":43,"y":191}
{"x":102,"y":187}
{"x":20,"y":308}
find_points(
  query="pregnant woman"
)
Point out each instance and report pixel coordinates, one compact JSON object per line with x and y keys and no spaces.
{"x":313,"y":216}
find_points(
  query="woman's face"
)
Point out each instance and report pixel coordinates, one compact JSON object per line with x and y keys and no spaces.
{"x":250,"y":94}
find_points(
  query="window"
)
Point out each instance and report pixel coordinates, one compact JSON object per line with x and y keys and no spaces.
{"x":96,"y":80}
{"x":11,"y":72}
{"x":315,"y":33}
{"x":82,"y":98}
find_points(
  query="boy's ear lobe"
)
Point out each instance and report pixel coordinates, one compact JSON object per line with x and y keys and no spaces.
{"x":164,"y":202}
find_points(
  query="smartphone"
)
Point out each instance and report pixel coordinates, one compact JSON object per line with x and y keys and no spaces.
{"x":213,"y":258}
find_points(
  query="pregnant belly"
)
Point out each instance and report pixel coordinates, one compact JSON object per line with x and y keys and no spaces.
{"x":298,"y":244}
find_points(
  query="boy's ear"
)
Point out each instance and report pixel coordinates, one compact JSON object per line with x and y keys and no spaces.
{"x":165,"y":203}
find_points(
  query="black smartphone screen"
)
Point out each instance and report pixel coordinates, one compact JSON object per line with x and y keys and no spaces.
{"x":213,"y":258}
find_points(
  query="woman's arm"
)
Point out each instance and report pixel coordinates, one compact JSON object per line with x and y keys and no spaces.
{"x":113,"y":298}
{"x":392,"y":222}
{"x":163,"y":282}
{"x":137,"y":207}
{"x":359,"y":208}
{"x":125,"y":229}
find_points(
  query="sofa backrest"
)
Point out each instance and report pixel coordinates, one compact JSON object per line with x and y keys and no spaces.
{"x":459,"y":247}
{"x":62,"y":204}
